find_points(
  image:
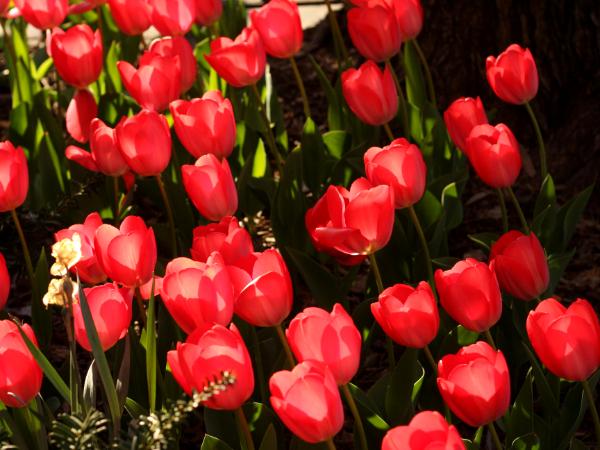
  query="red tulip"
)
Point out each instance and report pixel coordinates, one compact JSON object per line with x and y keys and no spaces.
{"x":4,"y":282}
{"x":240,"y":62}
{"x":156,"y":82}
{"x":400,"y":166}
{"x":307,"y":401}
{"x":374,"y":31}
{"x":173,"y":17}
{"x":205,"y":125}
{"x":513,"y":75}
{"x":208,"y":11}
{"x":43,"y":14}
{"x":461,"y":117}
{"x":333,"y":339}
{"x":127,"y":254}
{"x":20,"y":377}
{"x":111,"y":311}
{"x":77,"y":54}
{"x":205,"y":355}
{"x":426,"y":430}
{"x":470,"y":294}
{"x":371,"y":93}
{"x":80,"y":113}
{"x":169,"y":47}
{"x":226,"y":237}
{"x":567,"y":340}
{"x":4,"y":6}
{"x":350,"y":225}
{"x":278,"y":23}
{"x":88,"y":267}
{"x":408,"y":315}
{"x":14,"y":176}
{"x":145,"y":142}
{"x":199,"y":295}
{"x":495,"y":155}
{"x":520,"y":264}
{"x":210,"y":186}
{"x":131,"y":16}
{"x":105,"y":156}
{"x":262,"y":288}
{"x":409,"y":15}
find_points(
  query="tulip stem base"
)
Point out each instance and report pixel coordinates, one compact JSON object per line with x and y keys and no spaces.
{"x":165,"y":197}
{"x":490,"y":339}
{"x":427,"y":71}
{"x":244,"y":428}
{"x":357,"y":420}
{"x":26,"y":253}
{"x":417,"y":223}
{"x":520,"y":213}
{"x":595,"y":417}
{"x":270,"y":138}
{"x":540,"y":139}
{"x":301,"y":87}
{"x":495,"y":436}
{"x":286,"y":346}
{"x":402,"y":100}
{"x":503,"y":210}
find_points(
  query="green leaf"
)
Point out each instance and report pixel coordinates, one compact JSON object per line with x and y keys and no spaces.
{"x":112,"y":57}
{"x":466,"y":337}
{"x":151,"y":350}
{"x":134,"y":409}
{"x":336,"y":117}
{"x":452,"y":205}
{"x":557,"y":264}
{"x":368,"y":409}
{"x":269,"y":440}
{"x":313,"y":156}
{"x":550,"y":402}
{"x":521,"y":414}
{"x":527,"y":442}
{"x":568,"y":215}
{"x":415,"y":85}
{"x":213,"y":443}
{"x":40,"y":316}
{"x":403,"y":388}
{"x":484,"y":240}
{"x":546,"y":196}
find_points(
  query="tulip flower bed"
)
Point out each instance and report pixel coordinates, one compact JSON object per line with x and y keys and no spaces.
{"x":213,"y":275}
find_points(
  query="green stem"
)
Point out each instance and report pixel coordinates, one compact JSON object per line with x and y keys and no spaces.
{"x":428,"y":76}
{"x":489,"y":339}
{"x":401,"y":98}
{"x":495,"y":437}
{"x":165,"y":197}
{"x":503,"y":210}
{"x":388,"y":131}
{"x":376,"y":272}
{"x":300,"y":83}
{"x":74,"y":378}
{"x":595,"y":417}
{"x":424,"y":244}
{"x":337,"y":36}
{"x":430,"y":359}
{"x":286,"y":346}
{"x":357,"y":420}
{"x":330,"y":444}
{"x":269,"y":132}
{"x":522,"y":218}
{"x":540,"y":139}
{"x":244,"y":428}
{"x":140,"y":302}
{"x":26,"y":253}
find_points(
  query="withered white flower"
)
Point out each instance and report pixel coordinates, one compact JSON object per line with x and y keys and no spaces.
{"x":67,"y":253}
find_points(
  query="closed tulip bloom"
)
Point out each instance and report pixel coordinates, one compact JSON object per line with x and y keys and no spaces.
{"x":173,"y":17}
{"x":127,"y":254}
{"x":205,"y":355}
{"x":461,"y":117}
{"x":426,"y":430}
{"x":567,"y":340}
{"x":208,"y":11}
{"x":226,"y":237}
{"x":278,"y":23}
{"x":352,"y":224}
{"x":470,"y":294}
{"x":205,"y":125}
{"x":43,"y":14}
{"x":88,"y":268}
{"x":156,"y":82}
{"x":4,"y":282}
{"x":307,"y":401}
{"x":262,"y":288}
{"x":80,"y":113}
{"x":240,"y":62}
{"x":145,"y":142}
{"x":105,"y":156}
{"x":178,"y":46}
{"x":4,"y":6}
{"x":371,"y":93}
{"x":409,"y":15}
{"x":374,"y":31}
{"x":14,"y":176}
{"x":400,"y":166}
{"x":111,"y":312}
{"x":331,"y":338}
{"x":520,"y":263}
{"x":513,"y":75}
{"x":133,"y":17}
{"x":210,"y":186}
{"x":77,"y":54}
{"x":199,"y":295}
{"x":494,"y":154}
{"x":408,"y":315}
{"x":21,"y":376}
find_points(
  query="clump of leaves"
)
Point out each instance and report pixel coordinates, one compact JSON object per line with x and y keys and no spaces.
{"x":78,"y":431}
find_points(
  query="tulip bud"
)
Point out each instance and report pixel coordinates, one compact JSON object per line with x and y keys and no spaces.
{"x":4,"y":282}
{"x":513,"y":75}
{"x":43,"y":14}
{"x":80,"y":113}
{"x":145,"y":142}
{"x":240,"y":62}
{"x":111,"y":311}
{"x":567,"y":340}
{"x":371,"y":93}
{"x":208,"y":11}
{"x":520,"y":264}
{"x":333,"y":339}
{"x":426,"y":430}
{"x":278,"y":23}
{"x":374,"y":31}
{"x":127,"y":254}
{"x":494,"y":154}
{"x":461,"y":117}
{"x":226,"y":237}
{"x":14,"y":176}
{"x":262,"y":288}
{"x":205,"y":125}
{"x":173,"y":17}
{"x":131,"y":16}
{"x":409,"y":15}
{"x":204,"y":357}
{"x":408,"y":315}
{"x":400,"y":166}
{"x":169,"y":47}
{"x":313,"y":421}
{"x":470,"y":294}
{"x":21,"y":376}
{"x":210,"y":186}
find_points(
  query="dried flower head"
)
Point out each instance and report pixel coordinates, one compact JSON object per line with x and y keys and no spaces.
{"x":67,"y":253}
